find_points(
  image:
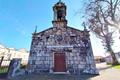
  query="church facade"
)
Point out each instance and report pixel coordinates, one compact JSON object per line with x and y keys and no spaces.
{"x":61,"y":49}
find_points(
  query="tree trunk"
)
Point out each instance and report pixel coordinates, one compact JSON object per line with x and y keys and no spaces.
{"x":109,"y":49}
{"x":114,"y":59}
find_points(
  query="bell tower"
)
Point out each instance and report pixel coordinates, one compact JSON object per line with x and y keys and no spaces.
{"x":59,"y":19}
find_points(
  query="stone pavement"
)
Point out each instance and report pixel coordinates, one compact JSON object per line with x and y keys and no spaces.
{"x":107,"y":73}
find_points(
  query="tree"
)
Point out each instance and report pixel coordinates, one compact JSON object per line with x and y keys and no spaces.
{"x":101,"y":15}
{"x":109,"y":11}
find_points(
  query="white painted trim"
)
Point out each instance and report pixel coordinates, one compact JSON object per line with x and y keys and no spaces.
{"x":60,"y":46}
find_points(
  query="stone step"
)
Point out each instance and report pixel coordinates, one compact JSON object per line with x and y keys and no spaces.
{"x":41,"y":70}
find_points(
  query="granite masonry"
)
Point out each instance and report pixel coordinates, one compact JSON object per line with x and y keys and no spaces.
{"x":61,"y":49}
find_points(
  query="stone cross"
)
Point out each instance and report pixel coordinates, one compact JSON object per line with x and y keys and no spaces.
{"x":13,"y":67}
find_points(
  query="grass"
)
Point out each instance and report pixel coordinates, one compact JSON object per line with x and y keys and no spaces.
{"x":116,"y":66}
{"x":3,"y":69}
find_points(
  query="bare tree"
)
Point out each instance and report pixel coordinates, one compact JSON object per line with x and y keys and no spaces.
{"x":100,"y":16}
{"x":109,"y":10}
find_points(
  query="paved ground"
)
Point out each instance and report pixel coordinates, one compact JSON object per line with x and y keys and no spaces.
{"x":54,"y":77}
{"x":106,"y":73}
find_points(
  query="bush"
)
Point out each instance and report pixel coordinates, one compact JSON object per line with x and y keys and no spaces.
{"x":23,"y":66}
{"x":3,"y":69}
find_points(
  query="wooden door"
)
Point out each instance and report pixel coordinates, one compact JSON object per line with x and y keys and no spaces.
{"x":59,"y":62}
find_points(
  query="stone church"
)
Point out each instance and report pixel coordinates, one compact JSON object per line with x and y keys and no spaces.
{"x":61,"y":49}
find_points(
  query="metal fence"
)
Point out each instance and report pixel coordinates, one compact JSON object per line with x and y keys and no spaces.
{"x":4,"y":65}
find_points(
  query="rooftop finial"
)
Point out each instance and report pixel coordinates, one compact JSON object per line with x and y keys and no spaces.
{"x":84,"y":26}
{"x":60,"y":1}
{"x":35,"y":29}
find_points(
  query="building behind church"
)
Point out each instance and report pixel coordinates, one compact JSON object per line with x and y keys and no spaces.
{"x":10,"y":53}
{"x":61,"y":49}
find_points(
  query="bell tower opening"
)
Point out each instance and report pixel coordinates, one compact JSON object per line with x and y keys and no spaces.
{"x":59,"y":14}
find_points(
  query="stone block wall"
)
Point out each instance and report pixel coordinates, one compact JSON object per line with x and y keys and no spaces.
{"x":74,"y":43}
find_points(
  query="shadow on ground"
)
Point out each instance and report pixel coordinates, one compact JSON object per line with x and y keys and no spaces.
{"x":105,"y":68}
{"x":55,"y":77}
{"x":3,"y":76}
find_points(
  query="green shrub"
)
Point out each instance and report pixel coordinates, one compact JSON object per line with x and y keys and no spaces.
{"x":3,"y":69}
{"x":23,"y":66}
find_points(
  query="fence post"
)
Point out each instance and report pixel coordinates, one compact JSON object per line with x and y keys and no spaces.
{"x":1,"y":60}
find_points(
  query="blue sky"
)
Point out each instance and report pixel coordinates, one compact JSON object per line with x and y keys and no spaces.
{"x":18,"y":19}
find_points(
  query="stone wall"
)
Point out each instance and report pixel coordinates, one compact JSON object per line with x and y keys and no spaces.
{"x":74,"y":43}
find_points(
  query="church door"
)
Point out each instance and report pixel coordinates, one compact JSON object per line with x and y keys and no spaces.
{"x":59,"y":62}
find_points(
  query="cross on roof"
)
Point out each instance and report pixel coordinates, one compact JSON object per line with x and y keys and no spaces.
{"x":84,"y":25}
{"x":35,"y":29}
